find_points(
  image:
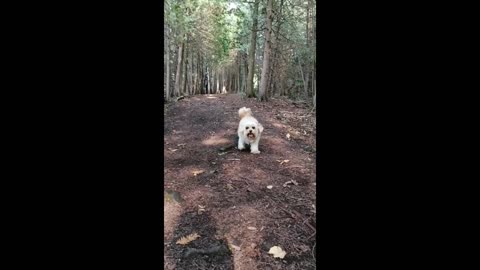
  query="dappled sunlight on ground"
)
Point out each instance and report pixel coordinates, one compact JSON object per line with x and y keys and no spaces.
{"x":216,"y":140}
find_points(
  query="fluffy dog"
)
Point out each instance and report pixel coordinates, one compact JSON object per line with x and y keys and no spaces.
{"x":249,"y":131}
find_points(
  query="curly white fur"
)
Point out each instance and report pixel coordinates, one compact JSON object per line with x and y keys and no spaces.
{"x":249,"y":131}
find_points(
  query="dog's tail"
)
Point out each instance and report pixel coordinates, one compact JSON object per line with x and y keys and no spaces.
{"x":244,"y":112}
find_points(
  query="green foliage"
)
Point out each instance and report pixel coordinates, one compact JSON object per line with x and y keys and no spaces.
{"x":219,"y":30}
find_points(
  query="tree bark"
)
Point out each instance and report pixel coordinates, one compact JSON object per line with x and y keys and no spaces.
{"x":179,"y":68}
{"x":276,"y":49}
{"x":185,"y":76}
{"x":199,"y":75}
{"x":245,"y":73}
{"x":168,"y":64}
{"x":251,"y":56}
{"x":238,"y":75}
{"x":266,"y":55}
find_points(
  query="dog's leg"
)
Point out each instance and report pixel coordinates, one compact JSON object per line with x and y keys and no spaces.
{"x":254,"y":147}
{"x":241,"y":144}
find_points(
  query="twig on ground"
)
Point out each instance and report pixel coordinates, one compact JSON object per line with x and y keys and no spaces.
{"x":313,"y":253}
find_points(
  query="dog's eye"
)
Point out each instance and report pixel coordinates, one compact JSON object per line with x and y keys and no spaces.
{"x":246,"y":127}
{"x":253,"y":127}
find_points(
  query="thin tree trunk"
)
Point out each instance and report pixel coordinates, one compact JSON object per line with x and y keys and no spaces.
{"x":185,"y":78}
{"x":251,"y":56}
{"x":168,"y":64}
{"x":245,"y":72}
{"x":223,"y":81}
{"x":232,"y":80}
{"x":266,"y":55}
{"x":179,"y":68}
{"x":307,"y":65}
{"x":194,"y":74}
{"x":199,"y":74}
{"x":190,"y":74}
{"x":218,"y":90}
{"x":238,"y":74}
{"x":213,"y":80}
{"x":208,"y":81}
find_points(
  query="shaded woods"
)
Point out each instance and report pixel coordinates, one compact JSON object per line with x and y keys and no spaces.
{"x":256,"y":48}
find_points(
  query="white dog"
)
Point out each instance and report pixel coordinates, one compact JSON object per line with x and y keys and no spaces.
{"x":249,"y":131}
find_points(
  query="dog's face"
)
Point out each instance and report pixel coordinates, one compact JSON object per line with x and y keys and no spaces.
{"x":251,"y":130}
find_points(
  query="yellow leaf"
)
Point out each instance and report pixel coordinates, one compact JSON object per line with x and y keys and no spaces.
{"x":277,"y":252}
{"x":284,"y":161}
{"x":187,"y":239}
{"x":197,"y":172}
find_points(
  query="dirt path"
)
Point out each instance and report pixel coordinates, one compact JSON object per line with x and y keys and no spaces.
{"x":224,"y":195}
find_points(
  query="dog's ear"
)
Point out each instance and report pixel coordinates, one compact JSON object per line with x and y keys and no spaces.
{"x":260,"y":127}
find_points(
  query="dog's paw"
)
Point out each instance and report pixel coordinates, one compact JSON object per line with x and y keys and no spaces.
{"x":241,"y":147}
{"x":255,"y":152}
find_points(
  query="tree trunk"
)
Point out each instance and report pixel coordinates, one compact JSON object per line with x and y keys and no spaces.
{"x":219,"y":89}
{"x":190,"y":74}
{"x":307,"y":62}
{"x":266,"y":55}
{"x":251,"y":56}
{"x":224,"y":81}
{"x":276,"y":46}
{"x":238,"y":75}
{"x":179,"y":68}
{"x":245,"y":72}
{"x":185,"y":77}
{"x":213,"y":80}
{"x":194,"y":74}
{"x":168,"y":65}
{"x":199,"y":75}
{"x":232,"y":80}
{"x":209,"y":84}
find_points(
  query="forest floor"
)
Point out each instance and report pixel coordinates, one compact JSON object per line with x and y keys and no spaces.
{"x":222,"y":194}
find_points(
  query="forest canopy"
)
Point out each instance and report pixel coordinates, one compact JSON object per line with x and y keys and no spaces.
{"x":256,"y":48}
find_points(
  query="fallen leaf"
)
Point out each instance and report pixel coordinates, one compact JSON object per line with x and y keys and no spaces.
{"x":229,"y":186}
{"x":197,"y":172}
{"x":290,"y":182}
{"x":252,"y":228}
{"x":173,"y":150}
{"x":277,"y":252}
{"x":288,"y":136}
{"x":182,"y":144}
{"x":269,"y":187}
{"x":187,"y":239}
{"x":284,"y":161}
